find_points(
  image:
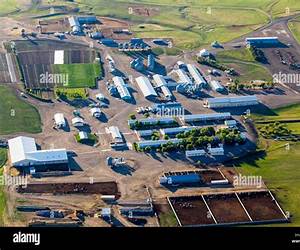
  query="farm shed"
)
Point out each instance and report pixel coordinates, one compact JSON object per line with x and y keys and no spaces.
{"x":193,"y":153}
{"x":122,"y":88}
{"x":216,"y":86}
{"x":59,"y":120}
{"x":156,"y":143}
{"x":216,"y":151}
{"x":183,"y":77}
{"x":194,"y":72}
{"x":176,"y":130}
{"x":115,"y":134}
{"x":257,"y":41}
{"x":187,"y":178}
{"x":238,"y":101}
{"x":206,"y":117}
{"x":78,"y":122}
{"x":96,"y":112}
{"x":153,"y":121}
{"x":146,"y":87}
{"x":23,"y":152}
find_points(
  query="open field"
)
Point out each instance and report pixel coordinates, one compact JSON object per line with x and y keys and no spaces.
{"x":279,"y":168}
{"x":243,"y":62}
{"x":79,"y":74}
{"x":16,"y":115}
{"x":9,"y":6}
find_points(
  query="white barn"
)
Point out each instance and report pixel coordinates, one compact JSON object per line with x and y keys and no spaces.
{"x":23,"y":152}
{"x":237,"y":101}
{"x":59,"y":120}
{"x":122,"y":88}
{"x":146,"y":87}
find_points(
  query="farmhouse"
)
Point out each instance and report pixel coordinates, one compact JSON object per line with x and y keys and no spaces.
{"x":146,"y":87}
{"x":23,"y":152}
{"x":239,"y":101}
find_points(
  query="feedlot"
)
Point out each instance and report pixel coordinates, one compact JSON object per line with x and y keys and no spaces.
{"x":227,"y":208}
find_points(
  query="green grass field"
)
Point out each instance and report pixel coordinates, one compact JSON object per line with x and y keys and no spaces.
{"x":17,"y":115}
{"x":3,"y":159}
{"x":9,"y":6}
{"x":294,"y":26}
{"x":242,"y":61}
{"x":280,"y":167}
{"x":79,"y":75}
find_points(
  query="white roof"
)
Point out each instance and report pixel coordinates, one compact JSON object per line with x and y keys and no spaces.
{"x":177,"y":130}
{"x":76,"y":120}
{"x":167,"y":93}
{"x":205,"y":117}
{"x":156,"y":143}
{"x":59,"y":119}
{"x":83,"y":135}
{"x":235,"y":99}
{"x":121,"y":87}
{"x":215,"y":85}
{"x":159,"y":80}
{"x":24,"y":148}
{"x":183,"y":77}
{"x":204,"y":52}
{"x":115,"y":132}
{"x":145,"y":86}
{"x":198,"y":78}
{"x":153,"y":120}
{"x":262,"y":38}
{"x":95,"y":110}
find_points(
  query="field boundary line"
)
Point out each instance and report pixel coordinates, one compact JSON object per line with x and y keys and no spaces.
{"x":243,"y":206}
{"x":209,"y":209}
{"x":178,"y":220}
{"x":281,"y":210}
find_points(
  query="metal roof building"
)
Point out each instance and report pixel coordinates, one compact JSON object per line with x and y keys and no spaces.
{"x":116,"y":135}
{"x":261,"y":40}
{"x":238,"y":101}
{"x":59,"y":120}
{"x":198,"y":78}
{"x":23,"y":152}
{"x":121,"y":87}
{"x":216,"y":151}
{"x":216,"y":86}
{"x":143,"y":133}
{"x":96,"y":112}
{"x":206,"y":117}
{"x":176,"y":130}
{"x":156,"y":143}
{"x":162,"y":84}
{"x":168,"y":105}
{"x":78,"y":122}
{"x":193,"y":153}
{"x":146,"y":87}
{"x":183,"y":77}
{"x":161,"y":120}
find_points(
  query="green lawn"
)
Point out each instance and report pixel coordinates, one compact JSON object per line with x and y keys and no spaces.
{"x":280,"y":167}
{"x":80,"y":75}
{"x":17,"y":115}
{"x":3,"y":159}
{"x":294,"y":26}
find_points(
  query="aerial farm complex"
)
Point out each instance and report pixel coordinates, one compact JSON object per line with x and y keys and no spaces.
{"x":110,"y":118}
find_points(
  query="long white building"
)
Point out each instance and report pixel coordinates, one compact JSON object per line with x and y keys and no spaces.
{"x":146,"y":86}
{"x":156,"y":143}
{"x":198,"y":78}
{"x":162,"y":84}
{"x":206,"y":117}
{"x":23,"y":152}
{"x":122,"y":88}
{"x":238,"y":101}
{"x":155,"y":120}
{"x":183,"y":77}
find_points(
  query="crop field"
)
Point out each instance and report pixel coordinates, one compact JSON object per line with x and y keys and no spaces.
{"x":16,"y":115}
{"x":79,"y":75}
{"x":79,"y":56}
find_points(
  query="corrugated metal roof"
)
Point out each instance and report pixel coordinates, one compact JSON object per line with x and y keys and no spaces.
{"x":121,"y":87}
{"x":156,"y":143}
{"x":145,"y":86}
{"x":24,"y":148}
{"x":183,"y":77}
{"x":198,"y":78}
{"x":235,"y":99}
{"x":205,"y":117}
